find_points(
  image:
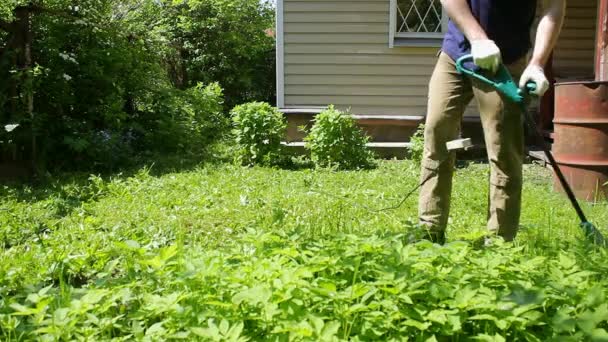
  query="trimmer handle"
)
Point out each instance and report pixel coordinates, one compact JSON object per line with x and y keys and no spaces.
{"x":501,"y":81}
{"x":530,"y":87}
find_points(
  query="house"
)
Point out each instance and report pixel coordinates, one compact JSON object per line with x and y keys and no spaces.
{"x":376,"y":57}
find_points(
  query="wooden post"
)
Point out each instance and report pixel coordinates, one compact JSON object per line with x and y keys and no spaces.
{"x":601,"y":51}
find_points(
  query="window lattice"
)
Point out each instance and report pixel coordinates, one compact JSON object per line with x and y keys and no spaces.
{"x":419,"y":16}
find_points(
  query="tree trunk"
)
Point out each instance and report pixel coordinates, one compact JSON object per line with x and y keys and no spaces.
{"x":24,"y":40}
{"x":177,"y":68}
{"x":183,"y":68}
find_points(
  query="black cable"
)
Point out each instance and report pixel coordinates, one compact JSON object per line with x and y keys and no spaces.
{"x":397,"y":206}
{"x":374,"y":210}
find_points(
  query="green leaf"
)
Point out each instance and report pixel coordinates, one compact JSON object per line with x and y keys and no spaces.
{"x":253,"y":296}
{"x":213,"y":334}
{"x":418,"y":325}
{"x":438,"y":316}
{"x":330,"y":330}
{"x":589,"y":320}
{"x":224,"y":326}
{"x":234,"y":334}
{"x":22,"y":310}
{"x":93,"y":297}
{"x":566,"y":262}
{"x":500,"y":324}
{"x":563,"y":322}
{"x":489,"y":338}
{"x":464,"y":296}
{"x":455,"y":321}
{"x":599,"y":335}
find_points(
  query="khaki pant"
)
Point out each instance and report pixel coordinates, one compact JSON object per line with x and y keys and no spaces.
{"x":502,"y":122}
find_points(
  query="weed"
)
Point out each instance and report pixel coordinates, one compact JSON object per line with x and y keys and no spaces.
{"x":223,"y":252}
{"x":336,"y":141}
{"x":258,"y":129}
{"x":417,"y":145}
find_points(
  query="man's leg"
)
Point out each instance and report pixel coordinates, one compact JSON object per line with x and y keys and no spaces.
{"x":504,"y":137}
{"x":449,"y":94}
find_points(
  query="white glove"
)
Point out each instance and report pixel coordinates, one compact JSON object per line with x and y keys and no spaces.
{"x":536,"y":74}
{"x":486,"y":54}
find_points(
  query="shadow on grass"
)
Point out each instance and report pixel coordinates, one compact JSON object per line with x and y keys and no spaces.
{"x":70,"y":189}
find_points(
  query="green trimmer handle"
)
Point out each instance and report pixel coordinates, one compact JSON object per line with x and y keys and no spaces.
{"x":501,"y":81}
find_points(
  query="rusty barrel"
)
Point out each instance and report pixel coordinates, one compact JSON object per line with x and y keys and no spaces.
{"x":581,"y":137}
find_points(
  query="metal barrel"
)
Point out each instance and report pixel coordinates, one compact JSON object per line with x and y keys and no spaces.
{"x":581,"y":137}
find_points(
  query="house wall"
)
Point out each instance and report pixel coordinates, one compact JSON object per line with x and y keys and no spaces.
{"x":337,"y":52}
{"x":574,"y":54}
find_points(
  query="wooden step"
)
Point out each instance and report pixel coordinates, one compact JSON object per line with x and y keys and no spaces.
{"x":406,"y":145}
{"x":380,"y":128}
{"x":387,"y":150}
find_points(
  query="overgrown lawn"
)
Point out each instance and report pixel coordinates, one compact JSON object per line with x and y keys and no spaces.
{"x":229,"y":253}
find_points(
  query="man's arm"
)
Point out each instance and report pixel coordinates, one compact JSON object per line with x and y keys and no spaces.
{"x":548,"y":31}
{"x":460,"y":13}
{"x":485,"y":52}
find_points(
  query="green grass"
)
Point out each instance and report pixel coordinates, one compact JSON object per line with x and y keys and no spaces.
{"x":221,"y":251}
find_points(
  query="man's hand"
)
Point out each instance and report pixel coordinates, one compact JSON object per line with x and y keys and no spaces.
{"x":486,"y":54}
{"x":536,"y":74}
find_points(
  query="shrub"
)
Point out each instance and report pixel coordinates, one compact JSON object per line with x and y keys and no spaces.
{"x":336,"y":141}
{"x":417,"y":147}
{"x":258,"y":129}
{"x":184,"y":120}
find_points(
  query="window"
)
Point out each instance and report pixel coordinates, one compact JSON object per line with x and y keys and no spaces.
{"x":417,"y":22}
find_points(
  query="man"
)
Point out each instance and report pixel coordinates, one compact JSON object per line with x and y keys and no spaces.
{"x":494,"y":32}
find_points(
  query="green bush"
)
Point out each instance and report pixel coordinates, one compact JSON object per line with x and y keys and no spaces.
{"x":258,"y":129}
{"x":184,"y":120}
{"x":114,"y":80}
{"x":335,"y":140}
{"x":417,"y":147}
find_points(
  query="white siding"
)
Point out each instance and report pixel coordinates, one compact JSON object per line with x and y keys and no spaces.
{"x":337,"y":52}
{"x":574,"y":55}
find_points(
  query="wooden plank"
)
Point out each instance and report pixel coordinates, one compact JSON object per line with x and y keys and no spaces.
{"x":371,"y":80}
{"x":583,"y":43}
{"x":378,"y":109}
{"x":349,"y":100}
{"x":356,"y":90}
{"x":336,"y":38}
{"x":357,"y":49}
{"x":342,"y":17}
{"x":575,"y":48}
{"x":324,"y":28}
{"x":335,"y":7}
{"x":336,"y":69}
{"x":372,"y":144}
{"x":360,"y":59}
{"x":345,"y":2}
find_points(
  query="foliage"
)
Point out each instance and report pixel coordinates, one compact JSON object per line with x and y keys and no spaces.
{"x":109,"y":77}
{"x":216,"y":41}
{"x":417,"y":145}
{"x":335,"y":140}
{"x":183,"y":121}
{"x":259,"y":130}
{"x":230,"y":253}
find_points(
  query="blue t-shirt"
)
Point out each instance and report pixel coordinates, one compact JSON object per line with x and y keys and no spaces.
{"x":507,"y":22}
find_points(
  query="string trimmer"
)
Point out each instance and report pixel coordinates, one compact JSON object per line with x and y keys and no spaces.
{"x":504,"y":84}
